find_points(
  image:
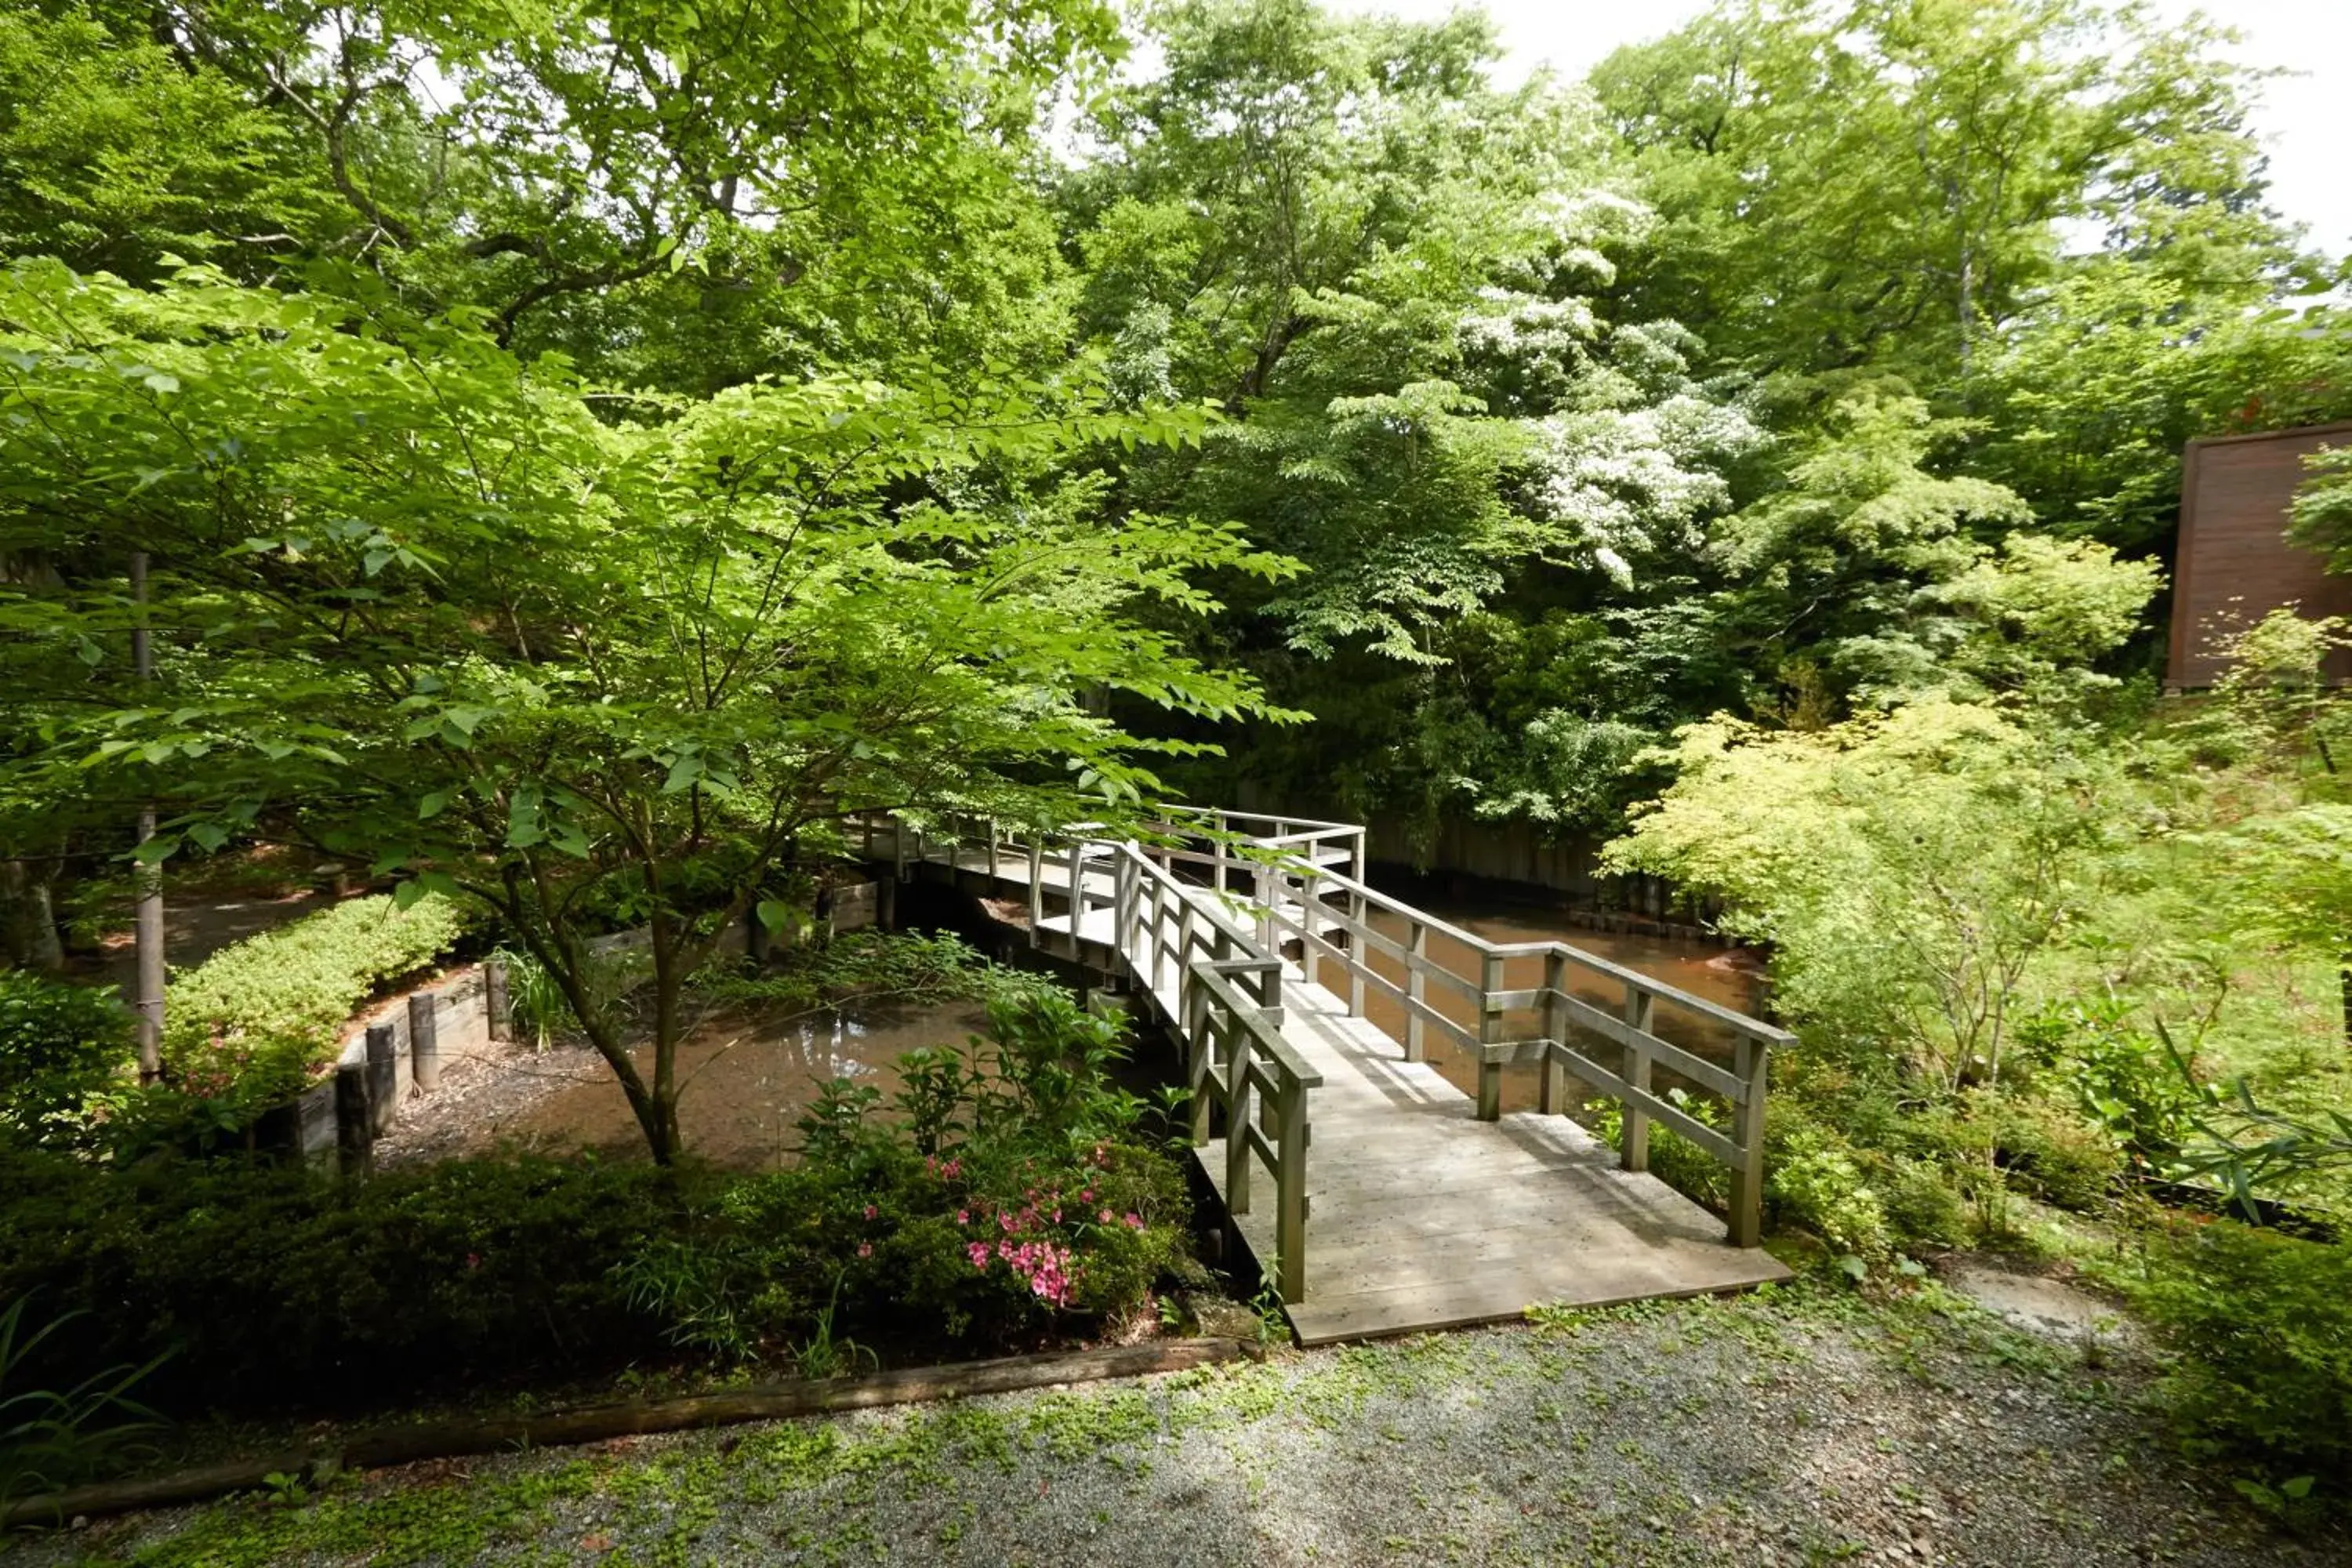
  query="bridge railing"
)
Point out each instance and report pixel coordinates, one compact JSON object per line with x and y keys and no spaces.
{"x":1238,"y":1063}
{"x":1198,"y":958}
{"x":1306,"y":885}
{"x":1335,"y":918}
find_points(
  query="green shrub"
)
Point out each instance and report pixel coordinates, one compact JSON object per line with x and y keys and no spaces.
{"x":2121,"y":1078}
{"x":1921,"y":1205}
{"x":1675,"y":1159}
{"x":2051,"y":1153}
{"x":1814,"y":1181}
{"x":1005,"y":1187}
{"x":55,"y":1437}
{"x":251,"y":1022}
{"x":537,"y":1010}
{"x":278,"y":1288}
{"x":2261,"y":1325}
{"x":57,"y":1043}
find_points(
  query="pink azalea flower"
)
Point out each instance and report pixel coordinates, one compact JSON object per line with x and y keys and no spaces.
{"x":864,"y":1249}
{"x":1134,"y":1222}
{"x":871,"y":1210}
{"x":1104,"y":1217}
{"x":964,"y":1216}
{"x":978,"y":1253}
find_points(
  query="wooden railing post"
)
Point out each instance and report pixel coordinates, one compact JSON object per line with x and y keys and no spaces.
{"x":1555,"y":1027}
{"x":1122,"y":905}
{"x":1634,"y":1149}
{"x":1490,"y":1032}
{"x":1749,"y":1063}
{"x":1358,"y":953}
{"x":1310,"y":909}
{"x":1198,"y":1055}
{"x":1155,"y":941}
{"x":1416,"y":990}
{"x":1265,"y":889}
{"x":1290,"y":1188}
{"x":1037,"y":886}
{"x":1237,"y":1112}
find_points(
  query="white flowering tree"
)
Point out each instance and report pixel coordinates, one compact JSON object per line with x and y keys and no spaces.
{"x":1396,"y":279}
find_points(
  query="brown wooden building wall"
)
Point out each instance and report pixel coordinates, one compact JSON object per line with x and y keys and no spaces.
{"x":2235,"y":564}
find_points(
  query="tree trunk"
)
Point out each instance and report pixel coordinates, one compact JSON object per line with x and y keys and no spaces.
{"x":28,"y":921}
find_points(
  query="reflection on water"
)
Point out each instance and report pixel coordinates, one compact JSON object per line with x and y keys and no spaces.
{"x":746,"y":1080}
{"x":1725,"y":976}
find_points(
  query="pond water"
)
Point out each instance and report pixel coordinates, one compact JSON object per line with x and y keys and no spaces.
{"x":746,"y":1079}
{"x":1729,"y":977}
{"x":749,"y":1076}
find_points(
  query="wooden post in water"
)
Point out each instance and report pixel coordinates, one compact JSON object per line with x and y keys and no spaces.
{"x":1555,"y":1027}
{"x":1490,"y":1033}
{"x":1634,"y":1151}
{"x":425,"y":1041}
{"x":496,"y":1001}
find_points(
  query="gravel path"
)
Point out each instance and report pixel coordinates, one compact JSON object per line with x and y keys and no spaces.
{"x":1802,"y":1427}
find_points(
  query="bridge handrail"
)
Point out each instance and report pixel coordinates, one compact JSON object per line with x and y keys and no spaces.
{"x":1262,"y":1092}
{"x":1236,"y":1060}
{"x":1299,"y":907}
{"x":1159,"y":918}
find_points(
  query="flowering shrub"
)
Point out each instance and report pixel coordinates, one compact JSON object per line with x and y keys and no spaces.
{"x":1006,"y":1187}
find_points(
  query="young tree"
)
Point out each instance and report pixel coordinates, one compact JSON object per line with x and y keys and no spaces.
{"x":1906,"y":868}
{"x":420,"y":609}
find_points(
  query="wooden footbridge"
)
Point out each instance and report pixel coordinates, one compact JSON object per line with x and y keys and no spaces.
{"x":1380,"y":1198}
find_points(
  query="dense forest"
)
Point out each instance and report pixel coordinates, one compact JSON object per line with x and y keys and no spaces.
{"x":559,"y":463}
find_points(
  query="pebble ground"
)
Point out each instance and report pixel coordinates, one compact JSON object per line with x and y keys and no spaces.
{"x":1801,"y":1426}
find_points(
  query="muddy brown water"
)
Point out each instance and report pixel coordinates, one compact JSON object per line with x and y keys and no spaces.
{"x":746,"y":1079}
{"x":749,"y":1078}
{"x":1722,"y":975}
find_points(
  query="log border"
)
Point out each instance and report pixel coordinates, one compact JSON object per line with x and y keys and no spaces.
{"x":384,"y":1446}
